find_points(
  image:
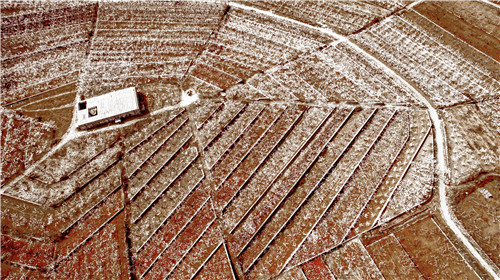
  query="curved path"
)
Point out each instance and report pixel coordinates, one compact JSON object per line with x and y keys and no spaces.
{"x":442,"y":165}
{"x":439,"y":133}
{"x":437,"y":122}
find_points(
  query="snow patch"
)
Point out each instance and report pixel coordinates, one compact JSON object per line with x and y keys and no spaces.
{"x":188,"y":97}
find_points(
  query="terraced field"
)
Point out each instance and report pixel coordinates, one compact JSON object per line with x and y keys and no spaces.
{"x":280,"y":140}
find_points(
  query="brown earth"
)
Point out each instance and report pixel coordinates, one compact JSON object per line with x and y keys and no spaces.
{"x":303,"y":159}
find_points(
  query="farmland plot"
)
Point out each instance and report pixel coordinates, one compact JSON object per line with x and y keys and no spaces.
{"x":43,"y":47}
{"x":293,"y":274}
{"x":275,"y":197}
{"x":23,"y":141}
{"x":89,"y":224}
{"x":477,"y":209}
{"x":247,"y":43}
{"x":168,"y":193}
{"x":27,"y":252}
{"x":69,"y":211}
{"x":161,"y":196}
{"x":155,"y":162}
{"x":217,"y":148}
{"x":392,"y":260}
{"x":17,"y":8}
{"x":148,"y":128}
{"x":236,"y":205}
{"x":419,"y":129}
{"x":353,"y":261}
{"x":95,"y":198}
{"x":54,"y":106}
{"x":428,"y":248}
{"x":272,"y":229}
{"x":243,"y":166}
{"x":141,"y":43}
{"x":15,"y":272}
{"x":27,"y":76}
{"x":317,"y":270}
{"x":490,"y":112}
{"x":24,"y":220}
{"x":217,"y":267}
{"x":349,"y":186}
{"x":78,"y":162}
{"x":451,"y":16}
{"x":264,"y":215}
{"x":472,"y":144}
{"x":39,"y":30}
{"x":170,"y":230}
{"x":337,"y":73}
{"x":416,"y":186}
{"x":175,"y":252}
{"x":470,"y":12}
{"x":200,"y":253}
{"x":65,"y":239}
{"x":231,"y":163}
{"x":477,"y":59}
{"x":74,"y":155}
{"x":201,"y":114}
{"x":213,"y":126}
{"x":344,"y":17}
{"x":153,"y":191}
{"x":428,"y":63}
{"x":59,"y":97}
{"x":102,"y":256}
{"x":303,"y":156}
{"x":153,"y":142}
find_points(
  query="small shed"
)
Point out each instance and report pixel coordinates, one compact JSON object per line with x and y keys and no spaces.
{"x":106,"y":108}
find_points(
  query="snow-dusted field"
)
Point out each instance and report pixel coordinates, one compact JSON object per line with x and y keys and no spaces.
{"x":279,"y":140}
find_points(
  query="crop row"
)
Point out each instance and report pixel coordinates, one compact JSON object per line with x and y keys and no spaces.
{"x":247,"y":43}
{"x":343,"y":17}
{"x":33,"y":22}
{"x":20,"y":136}
{"x":419,"y":128}
{"x":349,"y":77}
{"x":420,"y":250}
{"x":471,"y":143}
{"x":137,"y":44}
{"x":420,"y":57}
{"x":23,"y":77}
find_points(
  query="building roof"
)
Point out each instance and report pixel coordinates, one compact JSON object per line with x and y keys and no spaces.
{"x":106,"y":106}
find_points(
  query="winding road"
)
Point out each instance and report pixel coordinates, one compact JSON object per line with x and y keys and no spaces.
{"x":442,"y":166}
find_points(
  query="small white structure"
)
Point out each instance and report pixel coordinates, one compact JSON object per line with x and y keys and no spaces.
{"x":107,"y":108}
{"x":486,"y":193}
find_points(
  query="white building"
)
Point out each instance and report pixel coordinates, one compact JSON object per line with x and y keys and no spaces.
{"x":107,"y":108}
